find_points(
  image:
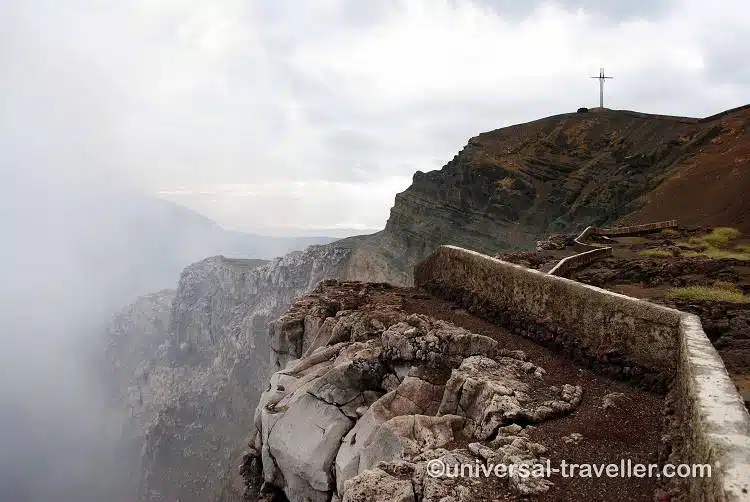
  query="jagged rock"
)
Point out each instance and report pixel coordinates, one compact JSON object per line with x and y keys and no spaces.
{"x":376,"y":485}
{"x":389,"y":401}
{"x":303,"y":443}
{"x":495,"y":393}
{"x":573,"y":437}
{"x":611,"y":399}
{"x":382,"y":434}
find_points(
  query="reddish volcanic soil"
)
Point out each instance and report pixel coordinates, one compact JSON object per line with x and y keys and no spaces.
{"x":726,"y":324}
{"x":710,"y":187}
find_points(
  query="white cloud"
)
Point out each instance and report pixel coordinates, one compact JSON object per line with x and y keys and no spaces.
{"x":165,"y":94}
{"x":295,"y":204}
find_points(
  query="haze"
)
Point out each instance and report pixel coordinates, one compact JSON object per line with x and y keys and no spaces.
{"x":274,"y":117}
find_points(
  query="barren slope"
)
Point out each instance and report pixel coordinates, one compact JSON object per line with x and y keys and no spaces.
{"x":511,"y":186}
{"x":711,"y":186}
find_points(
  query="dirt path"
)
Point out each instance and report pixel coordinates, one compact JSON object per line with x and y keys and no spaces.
{"x":630,"y":430}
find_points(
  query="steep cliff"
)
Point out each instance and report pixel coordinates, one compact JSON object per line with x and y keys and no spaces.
{"x":191,"y":365}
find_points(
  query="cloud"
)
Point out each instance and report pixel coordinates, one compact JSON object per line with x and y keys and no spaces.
{"x":160,"y":94}
{"x":289,"y":205}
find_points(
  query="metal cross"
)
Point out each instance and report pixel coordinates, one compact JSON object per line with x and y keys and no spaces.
{"x":601,"y":78}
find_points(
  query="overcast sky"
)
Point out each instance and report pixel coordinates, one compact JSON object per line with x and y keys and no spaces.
{"x":315,"y":113}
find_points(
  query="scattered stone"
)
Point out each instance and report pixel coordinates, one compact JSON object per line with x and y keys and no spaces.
{"x":573,"y":438}
{"x":611,"y":399}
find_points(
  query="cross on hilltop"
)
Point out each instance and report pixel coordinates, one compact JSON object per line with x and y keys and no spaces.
{"x":601,"y":78}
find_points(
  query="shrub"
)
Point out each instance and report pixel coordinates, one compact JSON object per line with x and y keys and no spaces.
{"x":709,"y":293}
{"x":719,"y":254}
{"x":670,"y":232}
{"x":729,"y":286}
{"x":721,"y":236}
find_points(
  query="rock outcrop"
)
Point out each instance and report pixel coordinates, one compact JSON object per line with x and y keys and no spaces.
{"x":368,"y":395}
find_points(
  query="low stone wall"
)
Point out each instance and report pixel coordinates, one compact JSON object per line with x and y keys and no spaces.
{"x":617,"y":335}
{"x":636,"y":229}
{"x":716,"y":425}
{"x":580,"y":260}
{"x":589,"y":324}
{"x":592,"y":252}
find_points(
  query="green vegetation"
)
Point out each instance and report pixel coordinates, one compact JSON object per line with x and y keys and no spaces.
{"x":670,"y":233}
{"x":656,"y":253}
{"x":720,"y":291}
{"x":719,"y":254}
{"x":717,"y":246}
{"x":729,"y":286}
{"x":720,"y":237}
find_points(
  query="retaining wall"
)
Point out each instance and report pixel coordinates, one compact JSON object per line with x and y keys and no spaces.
{"x":592,"y":252}
{"x":580,"y":260}
{"x":619,"y":335}
{"x":636,"y":229}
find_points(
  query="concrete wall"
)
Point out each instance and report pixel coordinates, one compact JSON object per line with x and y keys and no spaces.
{"x":592,"y":252}
{"x":636,"y":229}
{"x":580,"y":260}
{"x":642,"y":341}
{"x":716,"y":426}
{"x":591,"y":322}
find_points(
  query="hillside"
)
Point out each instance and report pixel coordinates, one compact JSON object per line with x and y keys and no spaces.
{"x":709,"y":188}
{"x":510,"y":187}
{"x":505,"y":190}
{"x":561,"y":173}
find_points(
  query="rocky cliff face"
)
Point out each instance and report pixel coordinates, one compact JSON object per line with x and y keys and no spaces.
{"x":192,"y":363}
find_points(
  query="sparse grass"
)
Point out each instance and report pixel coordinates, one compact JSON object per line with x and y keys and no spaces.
{"x":729,"y":286}
{"x":721,"y":236}
{"x":716,"y":245}
{"x":719,"y":254}
{"x":656,"y":253}
{"x":670,"y":233}
{"x":720,"y":292}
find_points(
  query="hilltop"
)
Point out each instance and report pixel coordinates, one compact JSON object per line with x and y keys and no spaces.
{"x":512,"y":186}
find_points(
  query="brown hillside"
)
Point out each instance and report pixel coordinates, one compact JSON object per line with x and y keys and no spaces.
{"x":711,"y":187}
{"x":511,"y":186}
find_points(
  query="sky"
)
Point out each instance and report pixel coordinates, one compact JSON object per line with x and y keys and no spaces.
{"x":268,"y":114}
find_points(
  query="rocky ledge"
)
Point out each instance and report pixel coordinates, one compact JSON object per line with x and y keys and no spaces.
{"x":376,"y":392}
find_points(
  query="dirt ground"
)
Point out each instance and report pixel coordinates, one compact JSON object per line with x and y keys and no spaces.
{"x":726,"y":324}
{"x":628,"y":272}
{"x":631,"y":430}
